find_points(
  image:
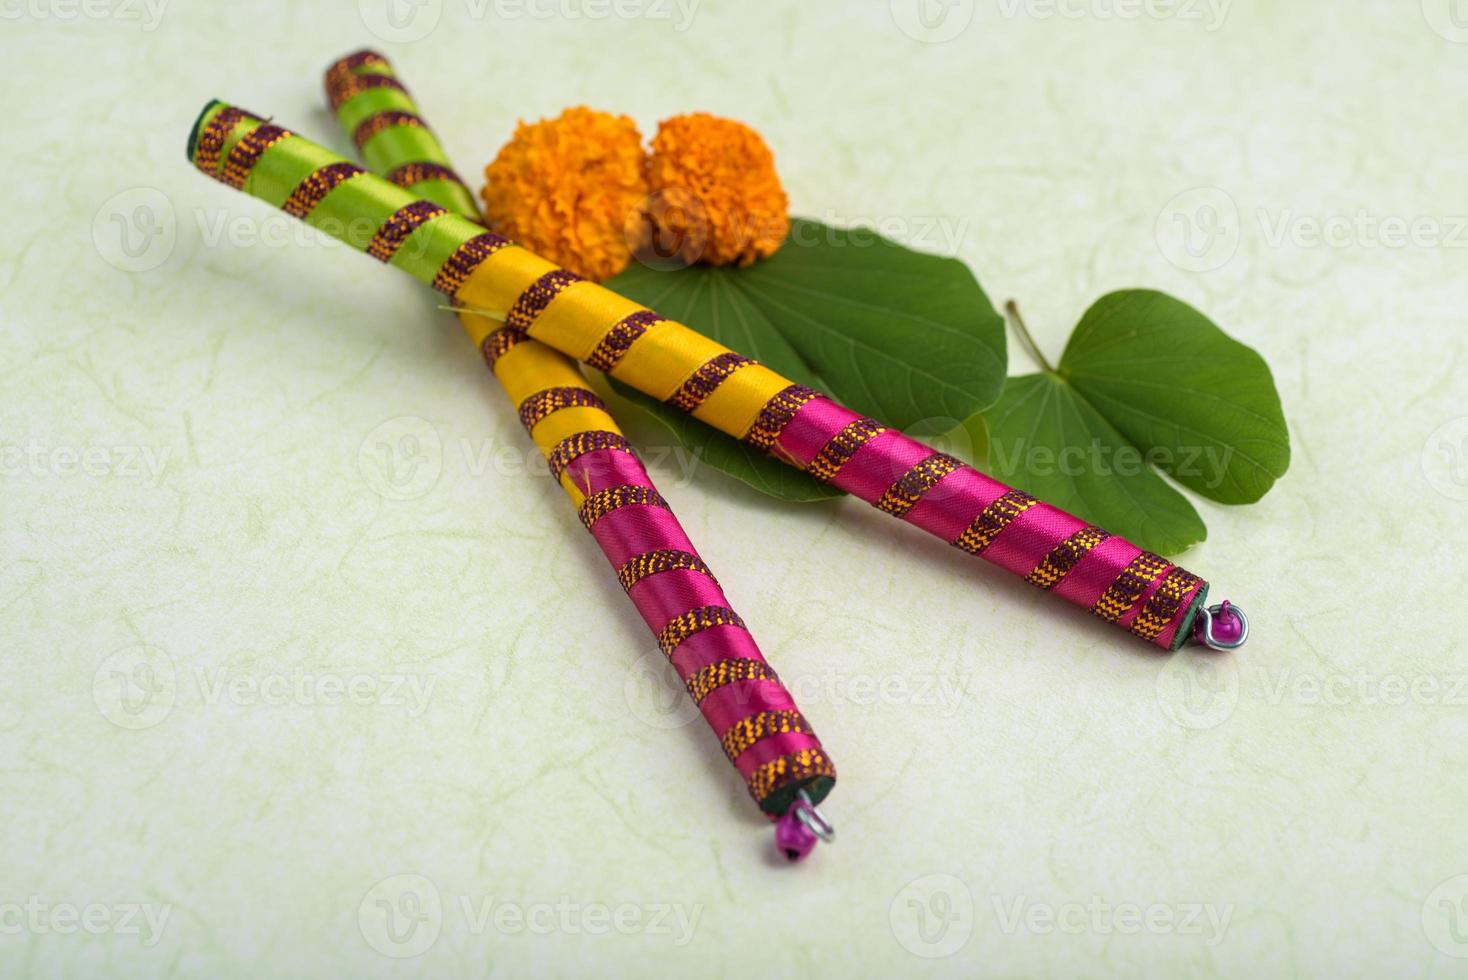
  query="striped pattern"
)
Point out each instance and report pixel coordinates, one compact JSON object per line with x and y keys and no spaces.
{"x":537,"y":296}
{"x":386,"y":119}
{"x":798,"y":767}
{"x":494,"y":346}
{"x":706,"y":681}
{"x":654,"y":562}
{"x":543,"y":403}
{"x":358,"y":59}
{"x":614,"y":344}
{"x":353,"y":84}
{"x":341,"y":77}
{"x":748,"y":730}
{"x":1066,"y":555}
{"x":465,"y":259}
{"x":1165,"y":603}
{"x":1123,"y":593}
{"x":396,"y":229}
{"x":903,"y":495}
{"x":992,"y":521}
{"x":695,"y":621}
{"x":843,"y":446}
{"x":246,"y":153}
{"x":603,"y":502}
{"x":209,"y":146}
{"x":309,"y":192}
{"x":421,"y":170}
{"x":777,"y":414}
{"x":575,"y":446}
{"x":714,"y":372}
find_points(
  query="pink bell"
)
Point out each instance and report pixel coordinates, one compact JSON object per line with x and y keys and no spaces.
{"x":797,"y":832}
{"x":1222,"y":627}
{"x":792,"y":837}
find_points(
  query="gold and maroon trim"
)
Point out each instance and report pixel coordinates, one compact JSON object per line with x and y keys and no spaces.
{"x":402,"y":223}
{"x":668,"y":560}
{"x":210,"y":144}
{"x":543,"y":403}
{"x":750,"y":729}
{"x":340,"y":75}
{"x":537,"y":296}
{"x":903,"y":495}
{"x":1165,"y":602}
{"x":712,"y":373}
{"x":417,"y":172}
{"x":843,"y":446}
{"x":246,"y":153}
{"x":695,"y":621}
{"x":992,"y":520}
{"x":796,"y":767}
{"x":614,"y":342}
{"x":776,"y":414}
{"x":1123,"y":593}
{"x":355,"y":60}
{"x":1066,"y":555}
{"x":386,"y":119}
{"x":466,"y":258}
{"x":342,"y":87}
{"x":493,"y":347}
{"x":309,"y":192}
{"x":721,"y":672}
{"x":581,"y":443}
{"x":603,"y":502}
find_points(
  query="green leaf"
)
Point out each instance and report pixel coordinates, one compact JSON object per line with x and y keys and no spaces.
{"x":1146,"y":382}
{"x":907,"y":338}
{"x":1168,"y":378}
{"x":1046,"y":438}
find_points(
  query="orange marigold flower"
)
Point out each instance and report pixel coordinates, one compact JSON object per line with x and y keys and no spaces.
{"x":716,"y":196}
{"x":563,"y":188}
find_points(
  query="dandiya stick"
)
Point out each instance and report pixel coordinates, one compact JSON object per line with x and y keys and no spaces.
{"x":1149,"y":596}
{"x":762,"y":731}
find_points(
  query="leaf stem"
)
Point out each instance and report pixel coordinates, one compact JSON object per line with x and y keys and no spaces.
{"x":1011,"y":310}
{"x":487,"y":314}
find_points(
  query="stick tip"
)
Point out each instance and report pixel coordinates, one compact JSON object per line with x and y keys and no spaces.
{"x":198,"y":125}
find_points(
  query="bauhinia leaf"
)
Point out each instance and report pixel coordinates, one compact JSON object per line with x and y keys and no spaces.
{"x":1172,"y":381}
{"x":908,"y":338}
{"x":1047,"y":439}
{"x":1146,"y":382}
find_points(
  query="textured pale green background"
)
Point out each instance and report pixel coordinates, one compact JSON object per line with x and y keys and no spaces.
{"x":1073,"y":766}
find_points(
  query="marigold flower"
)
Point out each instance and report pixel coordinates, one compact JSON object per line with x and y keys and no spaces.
{"x":715,"y":193}
{"x":564,"y":187}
